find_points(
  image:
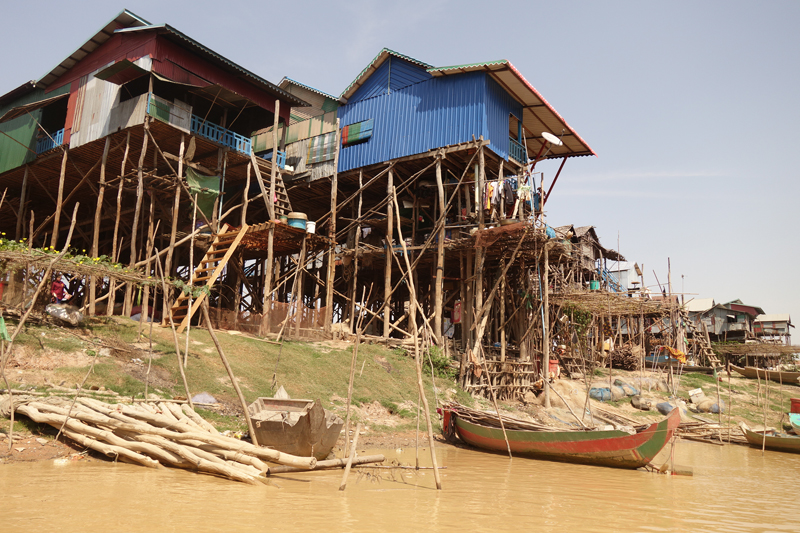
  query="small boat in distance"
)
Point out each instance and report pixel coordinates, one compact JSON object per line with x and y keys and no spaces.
{"x":616,"y":448}
{"x":296,"y":427}
{"x":771,"y":439}
{"x":773,"y":375}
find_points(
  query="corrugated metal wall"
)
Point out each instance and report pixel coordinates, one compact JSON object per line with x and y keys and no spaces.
{"x":394,"y":74}
{"x":427,"y":115}
{"x":22,"y":129}
{"x":96,"y":101}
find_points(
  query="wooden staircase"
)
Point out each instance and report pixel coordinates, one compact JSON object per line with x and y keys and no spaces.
{"x":205,"y":275}
{"x":283,"y":206}
{"x":701,"y":338}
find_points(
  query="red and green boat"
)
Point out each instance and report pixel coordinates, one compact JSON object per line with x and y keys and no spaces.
{"x":615,"y":448}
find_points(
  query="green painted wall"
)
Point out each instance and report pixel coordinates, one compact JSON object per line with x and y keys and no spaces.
{"x":22,"y":129}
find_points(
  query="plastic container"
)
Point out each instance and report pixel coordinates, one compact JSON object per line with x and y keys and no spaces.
{"x":795,"y":405}
{"x":283,"y":219}
{"x":311,"y":227}
{"x":594,"y":285}
{"x":298,"y":220}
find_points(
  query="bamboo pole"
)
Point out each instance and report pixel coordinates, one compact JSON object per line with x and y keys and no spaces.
{"x":343,"y":485}
{"x":207,"y":320}
{"x":327,"y":465}
{"x":160,"y":273}
{"x":353,"y":361}
{"x":417,"y":358}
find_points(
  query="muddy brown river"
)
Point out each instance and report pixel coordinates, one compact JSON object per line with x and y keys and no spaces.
{"x":733,"y":489}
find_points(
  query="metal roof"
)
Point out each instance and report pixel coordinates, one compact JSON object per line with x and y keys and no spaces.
{"x":175,"y":35}
{"x":781,"y":317}
{"x":27,"y":108}
{"x":377,"y":61}
{"x":699,"y":305}
{"x":538,"y":115}
{"x":286,"y":81}
{"x":125,"y":19}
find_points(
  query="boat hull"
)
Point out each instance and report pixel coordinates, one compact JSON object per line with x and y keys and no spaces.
{"x":616,"y":449}
{"x":296,"y":427}
{"x":776,"y":442}
{"x":772,"y":375}
{"x":794,"y":420}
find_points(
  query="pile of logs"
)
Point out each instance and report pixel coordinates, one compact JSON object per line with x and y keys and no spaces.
{"x":627,"y":357}
{"x":153,"y":435}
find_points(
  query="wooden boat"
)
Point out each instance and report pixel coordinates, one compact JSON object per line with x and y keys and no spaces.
{"x":773,"y":440}
{"x":773,"y":375}
{"x":297,"y":427}
{"x":614,"y":448}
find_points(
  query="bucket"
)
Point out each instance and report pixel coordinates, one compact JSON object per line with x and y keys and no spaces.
{"x":594,"y":285}
{"x":298,"y":220}
{"x":795,"y":408}
{"x":311,"y":226}
{"x":283,"y":219}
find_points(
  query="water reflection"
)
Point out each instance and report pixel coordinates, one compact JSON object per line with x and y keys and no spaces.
{"x":733,"y":489}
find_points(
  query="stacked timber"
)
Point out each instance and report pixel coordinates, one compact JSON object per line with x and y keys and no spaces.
{"x":627,"y":357}
{"x":153,"y":435}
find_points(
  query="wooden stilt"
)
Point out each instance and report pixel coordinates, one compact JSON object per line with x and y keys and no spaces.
{"x":332,"y":235}
{"x":114,"y":245}
{"x":300,"y":306}
{"x":355,"y":254}
{"x":57,"y":217}
{"x":437,"y":305}
{"x":96,"y":231}
{"x":546,"y":329}
{"x":387,"y":284}
{"x":135,"y":228}
{"x":22,"y":201}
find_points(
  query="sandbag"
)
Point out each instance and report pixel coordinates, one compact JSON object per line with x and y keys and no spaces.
{"x":617,"y":393}
{"x":630,"y":390}
{"x":664,"y":408}
{"x":68,"y":314}
{"x":641,"y":403}
{"x":601,"y":394}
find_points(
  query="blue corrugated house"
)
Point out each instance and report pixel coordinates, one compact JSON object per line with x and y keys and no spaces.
{"x":399,"y":106}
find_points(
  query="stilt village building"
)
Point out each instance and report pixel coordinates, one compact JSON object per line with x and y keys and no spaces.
{"x":409,"y":207}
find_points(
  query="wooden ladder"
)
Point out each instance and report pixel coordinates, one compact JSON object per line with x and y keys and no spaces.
{"x":701,"y":338}
{"x":208,"y":270}
{"x":283,"y":206}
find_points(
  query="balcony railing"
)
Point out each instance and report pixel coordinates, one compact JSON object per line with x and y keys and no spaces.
{"x":517,"y":151}
{"x":46,"y":143}
{"x":209,"y":130}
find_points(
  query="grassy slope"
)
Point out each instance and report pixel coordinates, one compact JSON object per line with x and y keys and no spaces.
{"x":306,"y":370}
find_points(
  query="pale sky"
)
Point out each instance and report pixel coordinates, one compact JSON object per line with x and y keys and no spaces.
{"x":691,"y":106}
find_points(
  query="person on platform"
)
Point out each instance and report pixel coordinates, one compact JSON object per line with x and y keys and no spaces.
{"x":58,"y":291}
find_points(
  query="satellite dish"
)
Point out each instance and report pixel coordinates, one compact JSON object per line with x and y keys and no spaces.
{"x":549,"y":137}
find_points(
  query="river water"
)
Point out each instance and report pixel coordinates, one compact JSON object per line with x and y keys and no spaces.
{"x":733,"y":489}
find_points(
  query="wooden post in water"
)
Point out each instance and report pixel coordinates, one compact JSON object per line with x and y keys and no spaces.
{"x":343,"y":485}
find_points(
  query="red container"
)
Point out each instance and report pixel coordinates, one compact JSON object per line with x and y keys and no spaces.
{"x":795,"y":405}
